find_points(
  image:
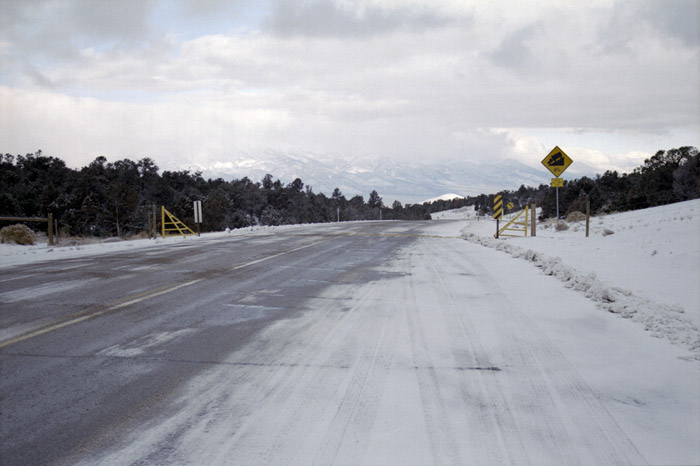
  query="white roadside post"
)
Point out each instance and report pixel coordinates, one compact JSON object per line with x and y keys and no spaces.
{"x":198,"y":215}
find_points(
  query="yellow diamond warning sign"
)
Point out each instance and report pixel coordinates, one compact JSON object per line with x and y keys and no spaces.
{"x":557,"y":161}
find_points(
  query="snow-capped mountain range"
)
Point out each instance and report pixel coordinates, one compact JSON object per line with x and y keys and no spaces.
{"x":407,"y":182}
{"x":444,"y":197}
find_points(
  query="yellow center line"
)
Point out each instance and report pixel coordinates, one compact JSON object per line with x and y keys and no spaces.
{"x":148,"y":294}
{"x":407,"y":235}
{"x":95,"y":312}
{"x":263,"y":259}
{"x":389,"y":235}
{"x":129,"y":300}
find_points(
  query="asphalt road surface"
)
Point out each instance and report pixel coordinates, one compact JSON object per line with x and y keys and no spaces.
{"x":367,"y":343}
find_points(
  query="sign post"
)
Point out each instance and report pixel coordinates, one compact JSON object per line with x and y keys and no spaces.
{"x":557,"y":162}
{"x":198,"y":215}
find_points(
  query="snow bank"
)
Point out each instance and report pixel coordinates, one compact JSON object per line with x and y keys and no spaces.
{"x":646,"y":270}
{"x":464,"y":213}
{"x":661,"y":320}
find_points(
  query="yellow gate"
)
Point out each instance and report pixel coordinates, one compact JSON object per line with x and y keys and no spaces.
{"x":173,"y":224}
{"x":515,"y":226}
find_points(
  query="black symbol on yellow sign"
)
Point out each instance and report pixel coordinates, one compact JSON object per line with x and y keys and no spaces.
{"x":557,"y":161}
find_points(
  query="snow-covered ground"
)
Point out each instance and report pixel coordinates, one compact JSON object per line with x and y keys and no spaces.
{"x":643,"y":265}
{"x":535,"y":350}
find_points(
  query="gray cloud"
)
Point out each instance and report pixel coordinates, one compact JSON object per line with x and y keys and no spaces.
{"x":39,"y":35}
{"x":677,"y":18}
{"x":211,"y":8}
{"x":515,"y":51}
{"x":124,"y":21}
{"x":328,"y":18}
{"x":630,"y":23}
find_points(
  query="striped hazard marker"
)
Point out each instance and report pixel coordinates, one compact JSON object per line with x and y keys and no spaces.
{"x":498,"y":207}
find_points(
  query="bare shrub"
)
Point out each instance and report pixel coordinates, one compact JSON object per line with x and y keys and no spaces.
{"x":139,"y":235}
{"x":549,"y":223}
{"x":17,"y":234}
{"x":576,"y":217}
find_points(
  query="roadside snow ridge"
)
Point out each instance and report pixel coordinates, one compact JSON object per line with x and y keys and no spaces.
{"x":661,"y":320}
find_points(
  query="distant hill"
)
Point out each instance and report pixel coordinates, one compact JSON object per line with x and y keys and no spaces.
{"x":444,"y":197}
{"x":408,"y":182}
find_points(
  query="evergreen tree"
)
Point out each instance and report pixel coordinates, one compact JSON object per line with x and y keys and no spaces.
{"x":374,"y":200}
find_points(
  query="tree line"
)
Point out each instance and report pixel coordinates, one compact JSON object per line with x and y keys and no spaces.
{"x":668,"y":176}
{"x":107,"y":199}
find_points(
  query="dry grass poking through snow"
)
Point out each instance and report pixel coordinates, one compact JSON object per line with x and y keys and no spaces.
{"x":17,"y":234}
{"x":576,"y":217}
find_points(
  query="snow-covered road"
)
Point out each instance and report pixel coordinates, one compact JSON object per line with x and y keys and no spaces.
{"x":414,"y":346}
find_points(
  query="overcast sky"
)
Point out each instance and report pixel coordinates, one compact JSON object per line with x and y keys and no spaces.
{"x":206,"y":81}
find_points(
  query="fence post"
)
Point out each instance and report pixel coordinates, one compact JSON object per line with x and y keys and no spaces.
{"x":588,"y":214}
{"x":533,"y":226}
{"x":50,"y":219}
{"x":527,"y":218}
{"x":154,"y":231}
